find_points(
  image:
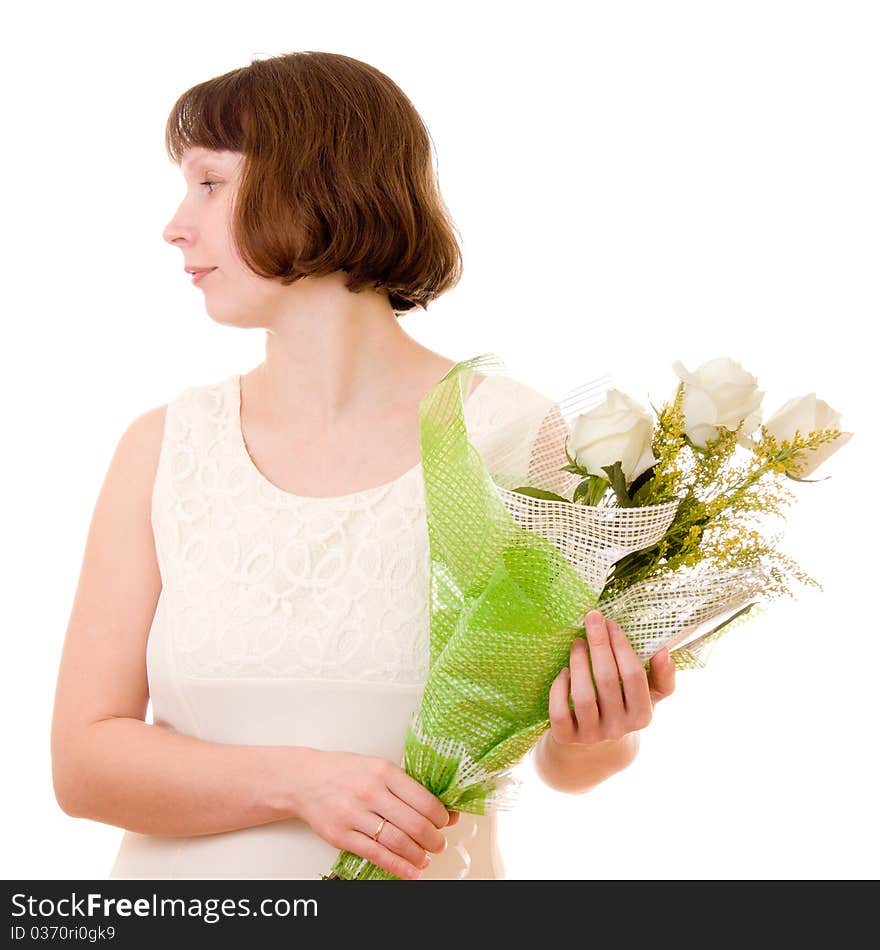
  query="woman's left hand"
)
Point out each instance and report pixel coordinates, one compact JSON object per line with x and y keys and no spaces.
{"x":627,"y":693}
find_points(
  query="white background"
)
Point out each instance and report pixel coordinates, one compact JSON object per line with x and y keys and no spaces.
{"x":635,"y":183}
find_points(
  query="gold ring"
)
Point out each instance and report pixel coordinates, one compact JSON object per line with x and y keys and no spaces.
{"x":379,"y":829}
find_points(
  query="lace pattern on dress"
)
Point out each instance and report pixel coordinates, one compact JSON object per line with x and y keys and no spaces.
{"x":259,"y":582}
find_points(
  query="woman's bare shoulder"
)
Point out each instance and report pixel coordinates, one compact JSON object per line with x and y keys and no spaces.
{"x":152,"y":421}
{"x":142,"y":442}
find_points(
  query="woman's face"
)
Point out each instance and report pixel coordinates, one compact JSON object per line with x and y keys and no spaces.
{"x":201,"y":229}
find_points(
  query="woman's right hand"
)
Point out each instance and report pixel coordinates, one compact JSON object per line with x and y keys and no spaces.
{"x":345,"y":795}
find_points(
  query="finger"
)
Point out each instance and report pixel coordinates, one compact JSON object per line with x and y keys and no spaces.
{"x":583,"y":696}
{"x":396,"y":839}
{"x":412,"y":822}
{"x":661,"y":678}
{"x":454,"y":816}
{"x":563,"y":725}
{"x":418,"y":798}
{"x":636,"y":692}
{"x":363,"y":844}
{"x":605,"y":673}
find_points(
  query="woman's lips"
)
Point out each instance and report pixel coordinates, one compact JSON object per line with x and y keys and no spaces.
{"x":197,"y":278}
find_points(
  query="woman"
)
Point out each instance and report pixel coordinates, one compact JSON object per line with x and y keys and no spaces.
{"x":257,"y":562}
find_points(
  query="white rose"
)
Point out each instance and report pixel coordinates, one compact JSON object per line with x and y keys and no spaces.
{"x":618,"y":431}
{"x":807,"y":414}
{"x":719,"y":393}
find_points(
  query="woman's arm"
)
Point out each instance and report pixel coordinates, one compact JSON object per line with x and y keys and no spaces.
{"x":147,"y":778}
{"x":613,"y":697}
{"x":578,"y":768}
{"x":108,"y":764}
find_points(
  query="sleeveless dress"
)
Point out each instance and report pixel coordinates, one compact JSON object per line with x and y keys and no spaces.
{"x":292,"y":620}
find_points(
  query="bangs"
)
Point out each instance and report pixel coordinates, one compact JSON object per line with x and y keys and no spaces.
{"x":209,"y":116}
{"x":337,"y":174}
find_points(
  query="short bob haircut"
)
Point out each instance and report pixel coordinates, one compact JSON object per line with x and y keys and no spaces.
{"x":336,"y":175}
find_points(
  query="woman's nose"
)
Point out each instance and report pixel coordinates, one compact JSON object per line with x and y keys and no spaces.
{"x":173,"y":231}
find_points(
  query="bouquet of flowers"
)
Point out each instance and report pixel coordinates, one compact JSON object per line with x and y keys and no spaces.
{"x":606,"y":508}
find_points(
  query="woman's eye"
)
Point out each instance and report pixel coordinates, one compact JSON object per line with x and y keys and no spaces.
{"x":210,"y":190}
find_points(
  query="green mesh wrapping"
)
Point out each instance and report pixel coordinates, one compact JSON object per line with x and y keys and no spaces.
{"x":505,"y":607}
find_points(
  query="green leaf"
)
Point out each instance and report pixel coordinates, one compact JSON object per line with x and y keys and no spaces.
{"x":641,"y":495}
{"x":643,"y":479}
{"x":733,"y":617}
{"x":583,"y":488}
{"x":711,"y":634}
{"x":539,"y":493}
{"x":618,"y":483}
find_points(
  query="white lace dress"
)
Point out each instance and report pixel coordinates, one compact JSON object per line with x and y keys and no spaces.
{"x":291,"y":620}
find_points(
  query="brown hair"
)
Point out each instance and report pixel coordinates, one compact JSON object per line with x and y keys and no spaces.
{"x":337,"y":174}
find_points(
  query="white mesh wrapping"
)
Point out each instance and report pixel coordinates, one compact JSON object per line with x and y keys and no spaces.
{"x":668,"y":610}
